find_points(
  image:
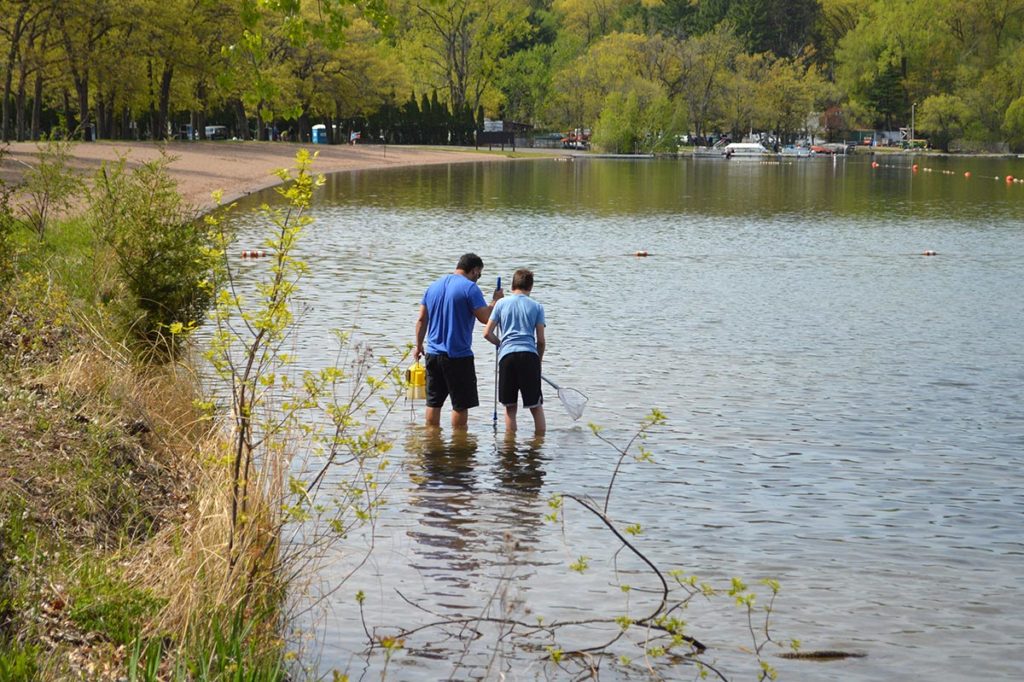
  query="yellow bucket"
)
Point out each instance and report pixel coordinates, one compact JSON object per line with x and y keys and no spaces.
{"x":416,"y":377}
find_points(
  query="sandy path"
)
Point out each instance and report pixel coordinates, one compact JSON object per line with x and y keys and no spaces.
{"x":237,"y":168}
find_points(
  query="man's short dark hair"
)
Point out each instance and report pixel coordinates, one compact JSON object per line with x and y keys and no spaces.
{"x":522,"y":280}
{"x":470,"y":261}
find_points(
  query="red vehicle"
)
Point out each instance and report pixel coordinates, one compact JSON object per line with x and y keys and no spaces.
{"x":577,"y":139}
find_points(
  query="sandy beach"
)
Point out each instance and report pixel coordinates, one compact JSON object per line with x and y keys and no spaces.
{"x":237,"y":168}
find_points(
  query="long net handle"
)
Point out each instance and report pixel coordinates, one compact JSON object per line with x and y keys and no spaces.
{"x":496,"y":372}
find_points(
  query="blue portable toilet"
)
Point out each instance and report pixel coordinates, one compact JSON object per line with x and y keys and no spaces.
{"x":320,"y":134}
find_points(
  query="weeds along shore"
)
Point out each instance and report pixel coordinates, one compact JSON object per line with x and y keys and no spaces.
{"x":122,"y":551}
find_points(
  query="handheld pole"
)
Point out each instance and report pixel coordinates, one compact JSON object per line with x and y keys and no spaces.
{"x":498,"y":286}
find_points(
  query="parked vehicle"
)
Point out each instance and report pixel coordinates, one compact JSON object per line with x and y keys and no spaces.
{"x":216,"y":132}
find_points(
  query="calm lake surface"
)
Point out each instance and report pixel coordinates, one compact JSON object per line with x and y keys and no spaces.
{"x":844,"y":414}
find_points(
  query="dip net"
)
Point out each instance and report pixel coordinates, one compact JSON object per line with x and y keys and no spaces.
{"x":574,"y":402}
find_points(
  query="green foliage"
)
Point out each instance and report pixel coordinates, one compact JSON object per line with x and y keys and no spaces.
{"x":781,"y":27}
{"x":885,"y":94}
{"x":105,"y":603}
{"x":291,"y":63}
{"x":18,"y":539}
{"x":525,"y":82}
{"x":943,"y":117}
{"x":278,"y":412}
{"x":227,"y":649}
{"x":223,"y":648}
{"x":18,"y":662}
{"x":617,"y":128}
{"x":163,"y":252}
{"x":8,"y":225}
{"x":49,"y":185}
{"x":1013,"y":124}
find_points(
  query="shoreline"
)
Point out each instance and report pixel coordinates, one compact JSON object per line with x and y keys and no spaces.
{"x":241,"y":168}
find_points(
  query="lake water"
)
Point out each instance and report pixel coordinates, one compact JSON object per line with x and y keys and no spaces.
{"x":844,"y":413}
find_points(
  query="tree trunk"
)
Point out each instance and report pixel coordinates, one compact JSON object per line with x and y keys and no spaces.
{"x":200,"y":118}
{"x":19,"y":106}
{"x":37,"y":105}
{"x":105,"y":116}
{"x":69,"y":119}
{"x":126,"y":124}
{"x":5,"y":115}
{"x":305,"y":128}
{"x":101,"y":116}
{"x":152,"y":101}
{"x":12,"y":55}
{"x":82,"y":89}
{"x":241,"y":121}
{"x":165,"y":99}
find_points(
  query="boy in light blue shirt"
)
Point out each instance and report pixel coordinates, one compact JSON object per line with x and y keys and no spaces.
{"x":517,"y":328}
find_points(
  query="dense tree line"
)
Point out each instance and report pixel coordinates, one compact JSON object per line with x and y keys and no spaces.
{"x":638,"y":72}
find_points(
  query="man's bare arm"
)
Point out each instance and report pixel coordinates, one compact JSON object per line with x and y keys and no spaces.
{"x":421,"y":333}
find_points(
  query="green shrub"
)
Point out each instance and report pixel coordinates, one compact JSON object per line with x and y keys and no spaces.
{"x":17,"y":663}
{"x":616,"y":129}
{"x":17,"y":541}
{"x":7,"y":226}
{"x":161,"y":249}
{"x":50,"y":185}
{"x":103,"y":602}
{"x":229,"y":646}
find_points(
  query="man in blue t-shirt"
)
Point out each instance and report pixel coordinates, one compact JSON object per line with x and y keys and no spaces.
{"x":520,"y":322}
{"x":448,"y":311}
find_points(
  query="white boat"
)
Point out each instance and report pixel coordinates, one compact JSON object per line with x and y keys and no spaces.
{"x":792,"y":150}
{"x":716,"y":151}
{"x":708,"y":152}
{"x":745,"y":149}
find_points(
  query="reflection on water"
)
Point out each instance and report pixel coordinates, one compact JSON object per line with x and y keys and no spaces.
{"x":521,"y":467}
{"x":448,"y":483}
{"x":843,"y":414}
{"x":445,"y":539}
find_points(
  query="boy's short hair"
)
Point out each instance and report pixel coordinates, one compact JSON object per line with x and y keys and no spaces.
{"x":522,"y":280}
{"x":469,"y":261}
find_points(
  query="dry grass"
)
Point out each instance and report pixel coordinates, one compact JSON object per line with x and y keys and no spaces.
{"x":115,"y":467}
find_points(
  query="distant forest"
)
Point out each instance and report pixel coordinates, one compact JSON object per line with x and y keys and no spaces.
{"x":640,"y":74}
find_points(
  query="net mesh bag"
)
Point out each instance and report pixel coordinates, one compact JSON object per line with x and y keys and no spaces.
{"x":574,"y":402}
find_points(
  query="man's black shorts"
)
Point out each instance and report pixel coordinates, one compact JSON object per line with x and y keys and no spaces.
{"x":520,"y":373}
{"x":451,"y":376}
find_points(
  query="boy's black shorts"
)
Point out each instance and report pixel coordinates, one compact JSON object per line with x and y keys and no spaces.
{"x":520,"y":373}
{"x":451,"y":376}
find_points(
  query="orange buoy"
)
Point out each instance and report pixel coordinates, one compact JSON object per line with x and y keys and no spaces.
{"x":930,"y":253}
{"x":874,"y":164}
{"x":1009,"y":179}
{"x":640,"y":254}
{"x":914,"y":168}
{"x":967,"y":174}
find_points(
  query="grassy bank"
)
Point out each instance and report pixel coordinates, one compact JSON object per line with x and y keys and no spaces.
{"x":115,"y":502}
